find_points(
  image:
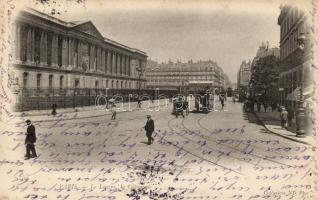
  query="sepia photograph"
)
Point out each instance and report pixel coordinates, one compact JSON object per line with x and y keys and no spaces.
{"x":158,"y":99}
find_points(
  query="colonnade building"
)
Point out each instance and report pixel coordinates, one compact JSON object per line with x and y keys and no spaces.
{"x":59,"y":56}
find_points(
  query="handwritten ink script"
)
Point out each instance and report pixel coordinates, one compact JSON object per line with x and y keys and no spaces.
{"x":96,"y":158}
{"x":100,"y":159}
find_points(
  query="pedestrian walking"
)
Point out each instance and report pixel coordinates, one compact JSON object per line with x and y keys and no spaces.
{"x":113,"y":110}
{"x":252,"y":102}
{"x":283,"y":117}
{"x":30,"y":139}
{"x":222,"y":101}
{"x":186,"y":107}
{"x":265,"y":104}
{"x":139,"y":102}
{"x":178,"y":106}
{"x":149,"y":128}
{"x":259,"y":106}
{"x":273,"y":106}
{"x":54,"y":106}
{"x":290,"y":116}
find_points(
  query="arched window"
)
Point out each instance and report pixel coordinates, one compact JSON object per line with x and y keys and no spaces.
{"x":117,"y":84}
{"x":112,"y":84}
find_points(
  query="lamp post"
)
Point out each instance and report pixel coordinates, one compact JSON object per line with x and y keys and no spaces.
{"x":300,"y":118}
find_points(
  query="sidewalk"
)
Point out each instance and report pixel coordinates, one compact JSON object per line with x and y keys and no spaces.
{"x":271,"y":121}
{"x":86,"y":112}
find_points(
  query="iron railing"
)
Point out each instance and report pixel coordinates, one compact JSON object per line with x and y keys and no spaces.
{"x":44,"y":98}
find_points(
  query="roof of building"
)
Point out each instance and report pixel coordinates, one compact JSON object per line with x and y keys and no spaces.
{"x":82,"y":26}
{"x":200,"y":82}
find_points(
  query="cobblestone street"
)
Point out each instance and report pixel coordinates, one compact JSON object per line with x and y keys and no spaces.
{"x":201,"y":156}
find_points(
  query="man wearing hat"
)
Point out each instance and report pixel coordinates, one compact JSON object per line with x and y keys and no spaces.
{"x":149,"y":127}
{"x":30,"y":140}
{"x":283,"y":117}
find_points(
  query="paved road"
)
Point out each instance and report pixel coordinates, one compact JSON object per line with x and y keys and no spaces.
{"x":225,"y":154}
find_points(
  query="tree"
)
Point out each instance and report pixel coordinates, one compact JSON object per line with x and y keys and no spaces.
{"x":264,"y":78}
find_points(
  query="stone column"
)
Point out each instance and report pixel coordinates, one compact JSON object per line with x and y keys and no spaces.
{"x":29,"y":45}
{"x":70,"y":53}
{"x":54,"y":50}
{"x":123,"y":62}
{"x":65,"y":52}
{"x":114,"y":63}
{"x":109,"y":63}
{"x":91,"y":58}
{"x":43,"y":49}
{"x":118,"y":64}
{"x":103,"y":63}
{"x":78,"y":62}
{"x":98,"y":57}
{"x":18,"y":42}
{"x":32,"y":45}
{"x":129,"y":66}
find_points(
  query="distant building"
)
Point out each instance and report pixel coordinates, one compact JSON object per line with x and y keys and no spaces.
{"x":185,"y":76}
{"x":295,"y":66}
{"x":244,"y":74}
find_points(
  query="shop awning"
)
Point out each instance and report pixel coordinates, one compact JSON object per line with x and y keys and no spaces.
{"x":295,"y":95}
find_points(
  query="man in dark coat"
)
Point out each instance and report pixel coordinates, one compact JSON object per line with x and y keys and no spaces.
{"x":149,"y":127}
{"x":30,"y":140}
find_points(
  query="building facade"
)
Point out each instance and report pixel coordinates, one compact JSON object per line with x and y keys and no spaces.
{"x":295,"y":67}
{"x":244,"y":74}
{"x":67,"y":58}
{"x":190,"y":76}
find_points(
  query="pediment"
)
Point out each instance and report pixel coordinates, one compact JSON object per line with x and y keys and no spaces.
{"x":89,"y":28}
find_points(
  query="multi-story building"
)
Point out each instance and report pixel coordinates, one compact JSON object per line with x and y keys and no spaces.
{"x":55,"y":58}
{"x":243,"y":77}
{"x":190,"y":76}
{"x":295,"y":65}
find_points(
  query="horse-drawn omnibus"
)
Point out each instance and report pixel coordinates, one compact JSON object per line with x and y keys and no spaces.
{"x":204,"y":101}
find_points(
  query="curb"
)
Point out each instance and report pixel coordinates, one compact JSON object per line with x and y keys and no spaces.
{"x":83,"y":117}
{"x":283,"y":136}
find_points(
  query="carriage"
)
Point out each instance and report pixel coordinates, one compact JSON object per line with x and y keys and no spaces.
{"x":179,"y":106}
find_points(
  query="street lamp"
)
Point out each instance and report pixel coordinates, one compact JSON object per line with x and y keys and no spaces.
{"x":300,"y":118}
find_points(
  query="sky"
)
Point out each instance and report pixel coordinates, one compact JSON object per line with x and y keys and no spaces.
{"x":227,"y":32}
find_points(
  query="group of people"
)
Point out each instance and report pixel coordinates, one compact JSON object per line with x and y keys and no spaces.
{"x":180,"y":106}
{"x":249,"y":105}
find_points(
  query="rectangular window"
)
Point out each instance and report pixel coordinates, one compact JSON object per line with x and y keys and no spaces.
{"x":38,"y":81}
{"x":76,"y":84}
{"x":25,"y":79}
{"x":50,"y":81}
{"x":61,"y":81}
